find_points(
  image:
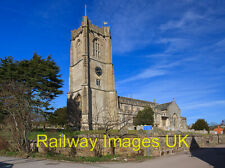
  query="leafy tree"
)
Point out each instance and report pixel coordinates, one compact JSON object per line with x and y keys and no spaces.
{"x":27,"y":87}
{"x":59,"y":117}
{"x":40,"y":75}
{"x":145,"y":117}
{"x":200,"y":124}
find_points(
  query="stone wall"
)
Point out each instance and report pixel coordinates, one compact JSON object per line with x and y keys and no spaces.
{"x":193,"y":141}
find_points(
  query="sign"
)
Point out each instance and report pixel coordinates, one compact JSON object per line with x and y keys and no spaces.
{"x":219,"y":130}
{"x":147,"y":127}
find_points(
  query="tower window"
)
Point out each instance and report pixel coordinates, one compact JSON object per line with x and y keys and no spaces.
{"x":98,"y":82}
{"x":96,"y":48}
{"x":78,"y":47}
{"x":98,"y":71}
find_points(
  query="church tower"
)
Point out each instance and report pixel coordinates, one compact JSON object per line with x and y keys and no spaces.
{"x":92,"y":97}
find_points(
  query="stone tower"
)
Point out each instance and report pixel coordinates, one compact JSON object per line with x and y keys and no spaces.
{"x":92,"y":97}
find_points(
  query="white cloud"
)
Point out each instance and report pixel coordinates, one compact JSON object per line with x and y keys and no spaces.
{"x":132,"y":22}
{"x":177,"y":33}
{"x":176,"y":44}
{"x":184,"y":90}
{"x":148,"y":73}
{"x":188,"y":18}
{"x":205,"y":104}
{"x":157,"y":70}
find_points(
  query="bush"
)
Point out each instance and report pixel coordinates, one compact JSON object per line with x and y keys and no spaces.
{"x":145,"y":117}
{"x":200,"y":124}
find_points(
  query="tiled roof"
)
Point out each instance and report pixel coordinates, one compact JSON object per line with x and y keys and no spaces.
{"x":163,"y":106}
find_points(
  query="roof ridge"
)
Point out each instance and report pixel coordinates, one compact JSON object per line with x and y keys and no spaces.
{"x":137,"y":99}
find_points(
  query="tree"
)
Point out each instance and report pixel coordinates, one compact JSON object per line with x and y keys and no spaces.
{"x":41,"y":76}
{"x":59,"y":117}
{"x":27,"y":87}
{"x":15,"y":100}
{"x":106,"y":121}
{"x":200,"y":124}
{"x":145,"y":117}
{"x":38,"y":120}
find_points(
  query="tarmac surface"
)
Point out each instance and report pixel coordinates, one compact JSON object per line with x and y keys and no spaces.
{"x":201,"y":158}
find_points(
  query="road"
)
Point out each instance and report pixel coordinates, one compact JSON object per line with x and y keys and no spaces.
{"x":202,"y":158}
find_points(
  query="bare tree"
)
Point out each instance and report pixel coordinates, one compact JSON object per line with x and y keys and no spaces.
{"x":15,"y":100}
{"x":104,"y":120}
{"x":107,"y":121}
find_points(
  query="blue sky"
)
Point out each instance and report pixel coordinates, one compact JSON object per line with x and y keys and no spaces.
{"x":161,"y":49}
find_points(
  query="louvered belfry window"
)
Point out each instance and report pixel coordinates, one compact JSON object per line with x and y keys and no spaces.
{"x":96,"y":48}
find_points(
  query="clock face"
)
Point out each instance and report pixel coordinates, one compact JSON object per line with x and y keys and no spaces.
{"x":98,"y":71}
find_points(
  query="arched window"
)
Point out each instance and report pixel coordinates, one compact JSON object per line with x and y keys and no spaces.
{"x":98,"y":82}
{"x":78,"y":46}
{"x":96,"y":48}
{"x":175,"y":124}
{"x":78,"y":101}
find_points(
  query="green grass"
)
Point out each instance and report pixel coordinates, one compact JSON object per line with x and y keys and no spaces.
{"x":51,"y":134}
{"x":11,"y":153}
{"x":56,"y":133}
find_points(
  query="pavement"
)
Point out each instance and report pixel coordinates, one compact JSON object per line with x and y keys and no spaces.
{"x":201,"y":158}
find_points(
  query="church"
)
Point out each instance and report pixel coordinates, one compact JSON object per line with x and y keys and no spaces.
{"x":92,"y":100}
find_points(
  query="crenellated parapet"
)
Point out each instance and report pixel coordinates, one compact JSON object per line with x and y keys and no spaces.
{"x":104,"y":31}
{"x":75,"y":33}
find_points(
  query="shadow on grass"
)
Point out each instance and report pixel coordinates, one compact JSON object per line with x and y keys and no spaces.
{"x":213,"y":156}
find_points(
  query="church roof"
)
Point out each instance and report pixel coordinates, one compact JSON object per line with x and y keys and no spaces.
{"x":127,"y":100}
{"x":164,"y":106}
{"x":183,"y":118}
